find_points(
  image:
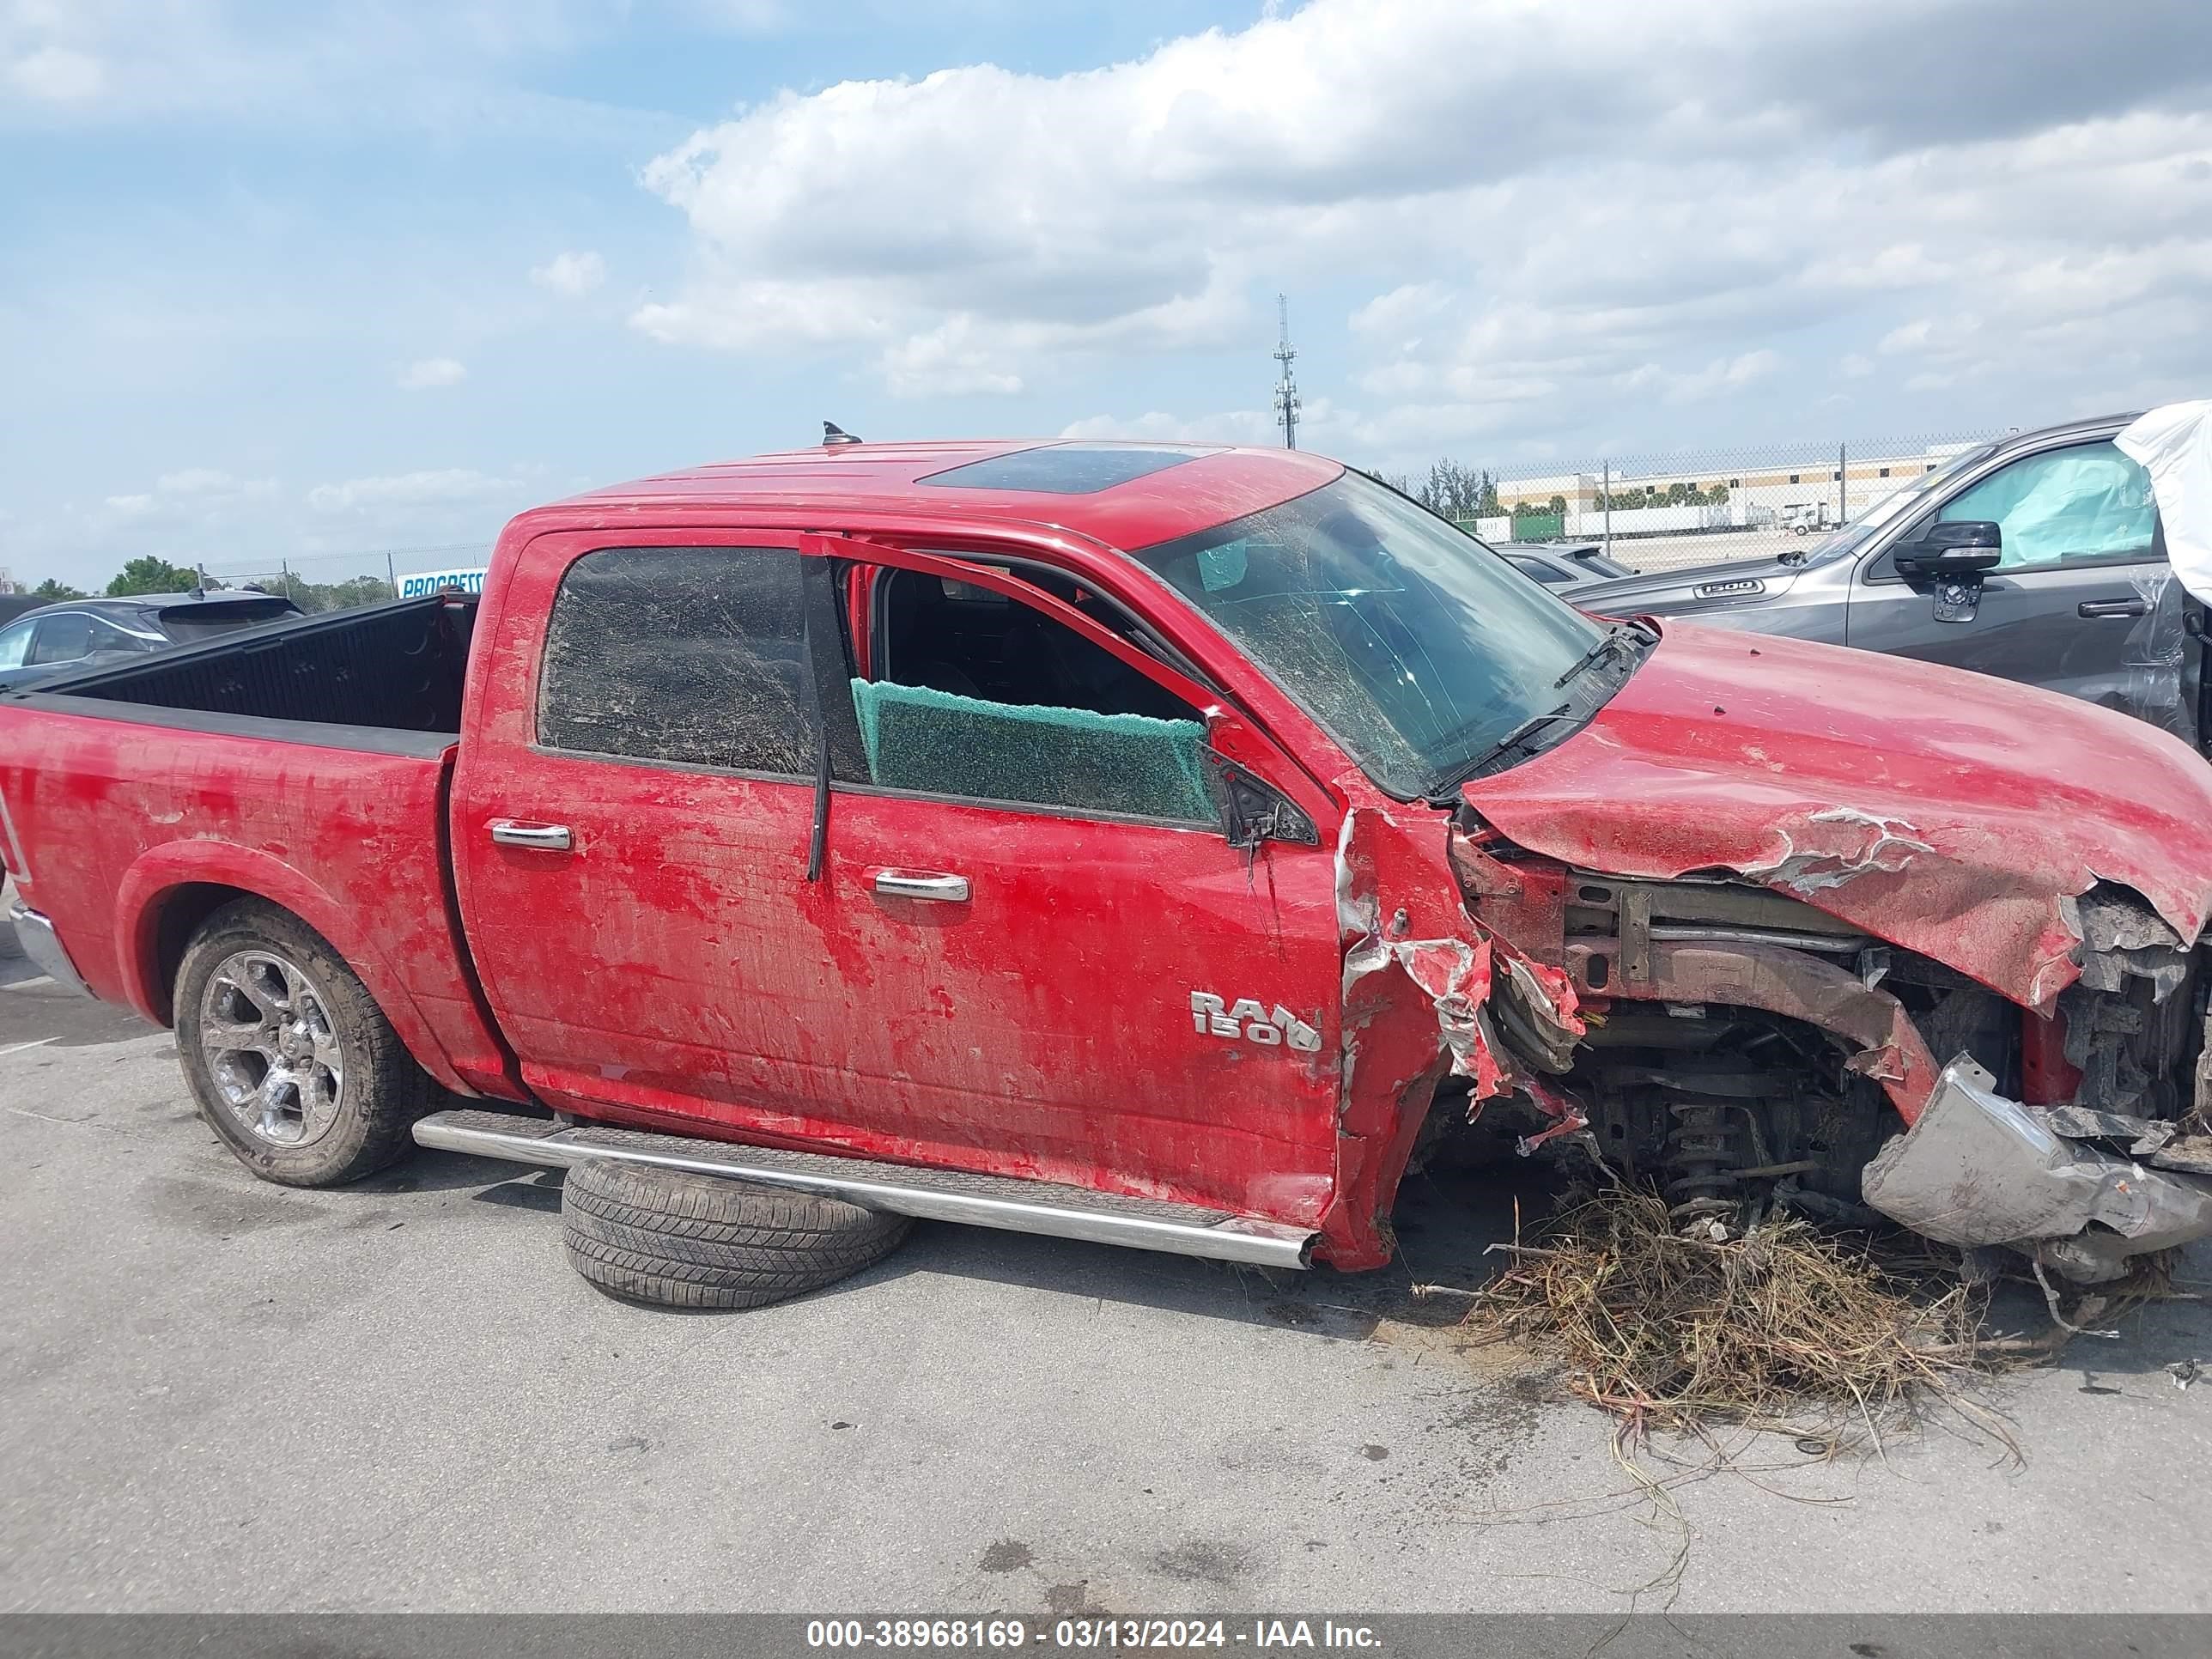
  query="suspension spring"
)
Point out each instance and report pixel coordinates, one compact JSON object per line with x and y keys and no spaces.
{"x":1698,"y":1153}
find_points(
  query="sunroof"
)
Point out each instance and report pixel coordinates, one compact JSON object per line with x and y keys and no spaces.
{"x":1062,"y":468}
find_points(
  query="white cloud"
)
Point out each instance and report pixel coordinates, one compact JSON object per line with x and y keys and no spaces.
{"x":1721,"y":375}
{"x":742,"y":16}
{"x":1235,"y":426}
{"x":289,"y":67}
{"x":429,"y":373}
{"x":56,"y":75}
{"x":1399,"y":319}
{"x":1906,"y":337}
{"x":1324,"y":424}
{"x":946,"y":362}
{"x":194,"y":481}
{"x":1538,"y":204}
{"x":224,"y":521}
{"x":435,"y":487}
{"x":571,"y":275}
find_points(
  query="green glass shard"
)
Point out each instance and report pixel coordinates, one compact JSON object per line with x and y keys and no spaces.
{"x":941,"y":744}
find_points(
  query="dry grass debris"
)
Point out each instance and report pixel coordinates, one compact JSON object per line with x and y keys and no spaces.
{"x":1703,"y":1339}
{"x":1837,"y":1340}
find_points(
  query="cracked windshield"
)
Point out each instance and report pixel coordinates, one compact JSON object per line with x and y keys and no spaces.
{"x":1417,"y":648}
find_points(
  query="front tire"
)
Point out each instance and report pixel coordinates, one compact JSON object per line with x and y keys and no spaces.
{"x":292,"y":1063}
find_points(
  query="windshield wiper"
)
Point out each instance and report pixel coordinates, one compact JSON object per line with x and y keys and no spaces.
{"x":1514,"y":739}
{"x":1614,"y":637}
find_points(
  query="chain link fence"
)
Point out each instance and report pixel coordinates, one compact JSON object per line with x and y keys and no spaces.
{"x":1664,"y":511}
{"x":338,"y":582}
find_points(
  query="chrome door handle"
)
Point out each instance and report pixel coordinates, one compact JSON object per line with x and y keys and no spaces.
{"x":918,"y":884}
{"x":538,"y":837}
{"x":2094,"y":608}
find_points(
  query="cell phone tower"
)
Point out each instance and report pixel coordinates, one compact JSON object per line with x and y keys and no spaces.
{"x":1286,"y":389}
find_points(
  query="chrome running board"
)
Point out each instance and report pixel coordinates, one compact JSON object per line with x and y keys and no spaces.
{"x":977,"y":1201}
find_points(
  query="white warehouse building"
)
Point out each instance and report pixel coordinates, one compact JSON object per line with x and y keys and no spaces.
{"x":1724,"y":495}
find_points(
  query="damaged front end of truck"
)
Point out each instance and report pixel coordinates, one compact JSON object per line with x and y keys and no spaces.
{"x":1963,"y":1011}
{"x":1768,"y":924}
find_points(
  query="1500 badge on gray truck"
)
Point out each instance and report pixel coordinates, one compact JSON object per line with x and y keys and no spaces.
{"x":2039,"y":558}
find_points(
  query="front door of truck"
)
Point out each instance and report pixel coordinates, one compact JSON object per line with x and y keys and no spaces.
{"x":2082,"y":600}
{"x":1030,"y":947}
{"x":1059,"y":952}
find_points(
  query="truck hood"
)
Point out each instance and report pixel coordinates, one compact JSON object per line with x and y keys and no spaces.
{"x":1950,"y":813}
{"x":1684,"y":592}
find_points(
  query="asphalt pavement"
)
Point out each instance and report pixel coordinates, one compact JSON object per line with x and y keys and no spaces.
{"x":217,"y":1395}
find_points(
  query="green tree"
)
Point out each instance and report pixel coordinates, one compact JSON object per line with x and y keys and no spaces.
{"x":151,"y":574}
{"x":50,"y":590}
{"x":1457,"y":491}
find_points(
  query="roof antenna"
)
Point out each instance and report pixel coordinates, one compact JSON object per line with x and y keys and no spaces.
{"x":199,"y":581}
{"x":833,"y":433}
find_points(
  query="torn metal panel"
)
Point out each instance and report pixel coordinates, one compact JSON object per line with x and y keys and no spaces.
{"x":2121,"y":939}
{"x":1781,"y":762}
{"x":1412,"y":990}
{"x":2142,"y":1136}
{"x":1852,"y":843}
{"x":1422,"y":1000}
{"x":1356,"y":913}
{"x":1888,"y":1047}
{"x":2189,"y":1154}
{"x":1978,"y":1169}
{"x":1523,"y":902}
{"x":1454,"y":974}
{"x":2129,"y":1018}
{"x":1536,"y":1003}
{"x":1569,"y":1120}
{"x":1643,"y":912}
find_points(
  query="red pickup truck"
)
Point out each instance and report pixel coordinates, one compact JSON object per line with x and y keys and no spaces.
{"x":1166,"y":844}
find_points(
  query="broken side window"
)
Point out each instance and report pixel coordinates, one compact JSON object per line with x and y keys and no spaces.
{"x":681,"y":653}
{"x":983,"y":698}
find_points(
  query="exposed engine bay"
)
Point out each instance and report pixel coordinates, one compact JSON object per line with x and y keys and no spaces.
{"x":1747,"y":1052}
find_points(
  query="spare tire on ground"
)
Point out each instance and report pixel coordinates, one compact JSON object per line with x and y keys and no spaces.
{"x":672,"y":1238}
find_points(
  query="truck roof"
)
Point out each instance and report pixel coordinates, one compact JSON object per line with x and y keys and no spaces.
{"x":1124,"y":494}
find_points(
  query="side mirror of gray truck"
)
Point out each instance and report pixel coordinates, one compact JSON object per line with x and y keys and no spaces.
{"x":1961,"y":547}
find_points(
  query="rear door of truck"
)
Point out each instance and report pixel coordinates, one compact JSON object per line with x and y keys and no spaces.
{"x":1062,"y":971}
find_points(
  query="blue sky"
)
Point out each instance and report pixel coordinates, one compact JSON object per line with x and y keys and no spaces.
{"x":305,"y":282}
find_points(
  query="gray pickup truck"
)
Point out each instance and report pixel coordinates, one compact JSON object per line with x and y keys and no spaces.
{"x":2037,"y":558}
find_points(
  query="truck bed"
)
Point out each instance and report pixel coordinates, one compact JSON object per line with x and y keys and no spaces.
{"x":396,"y":667}
{"x":308,"y":763}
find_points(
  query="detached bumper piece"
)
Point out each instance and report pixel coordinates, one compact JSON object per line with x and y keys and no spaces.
{"x":978,"y":1200}
{"x":1978,"y":1169}
{"x":44,"y":947}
